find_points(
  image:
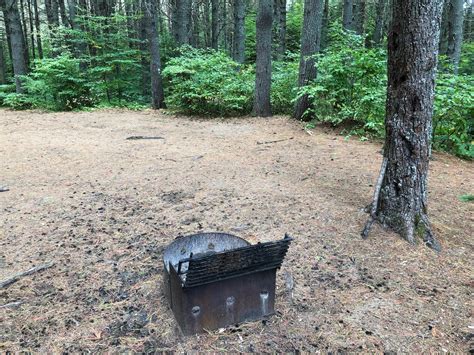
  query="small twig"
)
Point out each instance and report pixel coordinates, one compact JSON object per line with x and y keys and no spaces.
{"x":31,"y":271}
{"x":375,"y":202}
{"x":143,"y":137}
{"x":279,"y":140}
{"x":12,"y":304}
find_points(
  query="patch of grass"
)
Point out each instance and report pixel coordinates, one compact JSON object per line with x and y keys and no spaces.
{"x":467,"y":198}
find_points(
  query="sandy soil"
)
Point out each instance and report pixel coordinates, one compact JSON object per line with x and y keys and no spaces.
{"x":102,"y":208}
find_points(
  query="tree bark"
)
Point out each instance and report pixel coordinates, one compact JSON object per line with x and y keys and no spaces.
{"x":12,"y":16}
{"x":39,"y":44}
{"x":62,"y":10}
{"x":412,"y":59}
{"x":325,"y":25}
{"x":310,"y":44}
{"x":379,"y":22}
{"x":347,"y":15}
{"x":263,"y":72}
{"x":32,"y":29}
{"x":469,"y":19}
{"x":215,"y":24}
{"x":239,"y":31}
{"x":455,"y":27}
{"x":25,"y":33}
{"x":359,"y":17}
{"x":181,"y":21}
{"x":157,"y":96}
{"x":3,"y":65}
{"x":281,"y":34}
{"x":443,"y":37}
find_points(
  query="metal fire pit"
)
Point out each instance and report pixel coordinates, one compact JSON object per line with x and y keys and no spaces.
{"x":213,"y":280}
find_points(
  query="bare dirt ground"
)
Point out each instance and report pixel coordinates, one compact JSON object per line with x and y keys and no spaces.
{"x":102,"y":208}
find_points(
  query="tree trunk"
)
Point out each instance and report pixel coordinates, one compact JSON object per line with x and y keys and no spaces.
{"x":12,"y":15}
{"x":157,"y":95}
{"x":263,"y":71}
{"x":239,"y":31}
{"x":182,"y":21}
{"x":347,"y":15}
{"x":3,"y":65}
{"x":310,"y":43}
{"x":469,"y":19}
{"x":62,"y":10}
{"x":325,"y":25}
{"x":207,"y":23}
{"x":443,"y":37}
{"x":412,"y":59}
{"x":379,"y":22}
{"x":143,"y":49}
{"x":32,"y":29}
{"x":456,"y":17}
{"x":39,"y":44}
{"x":281,"y":34}
{"x":25,"y":33}
{"x":359,"y":17}
{"x":215,"y":24}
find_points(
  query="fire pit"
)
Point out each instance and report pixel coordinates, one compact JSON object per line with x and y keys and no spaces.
{"x":213,"y":280}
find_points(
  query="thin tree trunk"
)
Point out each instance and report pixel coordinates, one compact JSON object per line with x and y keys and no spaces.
{"x":379,"y":22}
{"x":469,"y":19}
{"x":347,"y":15}
{"x":206,"y":13}
{"x":39,"y":44}
{"x":62,"y":10}
{"x":456,"y":17}
{"x":359,"y":17}
{"x":157,"y":96}
{"x":310,"y":44}
{"x":444,"y":33}
{"x":32,"y":29}
{"x":12,"y":16}
{"x":325,"y":25}
{"x":215,"y":24}
{"x":263,"y":75}
{"x":239,"y":31}
{"x":412,"y":59}
{"x":3,"y":65}
{"x":281,"y":37}
{"x":25,"y":33}
{"x":143,"y":49}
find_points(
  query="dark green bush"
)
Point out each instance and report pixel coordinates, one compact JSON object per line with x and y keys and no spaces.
{"x":206,"y":82}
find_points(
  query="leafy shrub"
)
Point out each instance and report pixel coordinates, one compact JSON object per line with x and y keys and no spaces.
{"x":453,"y":119}
{"x":206,"y":82}
{"x":350,"y":85}
{"x":54,"y":84}
{"x":284,"y":81}
{"x":5,"y":90}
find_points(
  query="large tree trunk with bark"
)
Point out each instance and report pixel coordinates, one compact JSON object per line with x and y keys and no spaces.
{"x":17,"y":38}
{"x":379,"y":22}
{"x":263,"y":75}
{"x":401,"y":203}
{"x":181,"y":21}
{"x":455,"y":27}
{"x":347,"y":15}
{"x":310,"y":43}
{"x":157,"y":96}
{"x":239,"y":31}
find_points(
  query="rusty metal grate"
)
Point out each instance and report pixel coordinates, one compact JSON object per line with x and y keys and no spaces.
{"x":217,"y":279}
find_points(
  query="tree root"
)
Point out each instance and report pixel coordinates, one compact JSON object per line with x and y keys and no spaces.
{"x":375,"y":201}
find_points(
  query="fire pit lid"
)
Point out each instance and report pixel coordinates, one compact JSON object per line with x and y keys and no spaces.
{"x":197,"y":245}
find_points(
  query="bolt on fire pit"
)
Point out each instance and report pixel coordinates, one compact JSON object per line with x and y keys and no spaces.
{"x":213,"y":280}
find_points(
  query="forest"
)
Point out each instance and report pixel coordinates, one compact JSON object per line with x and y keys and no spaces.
{"x":198,"y":57}
{"x":236,"y":176}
